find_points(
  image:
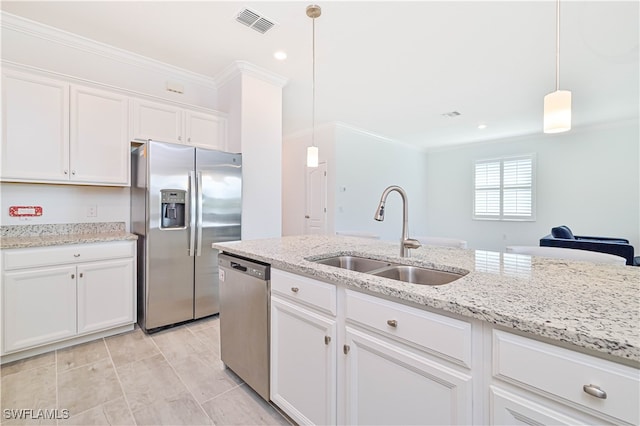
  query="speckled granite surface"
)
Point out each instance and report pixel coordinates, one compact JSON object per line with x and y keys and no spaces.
{"x":589,"y":305}
{"x":25,"y":236}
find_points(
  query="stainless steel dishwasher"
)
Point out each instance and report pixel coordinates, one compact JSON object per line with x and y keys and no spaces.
{"x":244,"y":319}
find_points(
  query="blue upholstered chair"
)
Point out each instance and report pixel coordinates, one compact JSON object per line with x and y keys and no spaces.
{"x":561,"y":236}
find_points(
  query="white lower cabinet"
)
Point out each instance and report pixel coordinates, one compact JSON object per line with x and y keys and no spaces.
{"x":388,"y":383}
{"x":330,"y":364}
{"x":39,"y":306}
{"x":555,"y":385}
{"x":303,"y":367}
{"x":50,"y":294}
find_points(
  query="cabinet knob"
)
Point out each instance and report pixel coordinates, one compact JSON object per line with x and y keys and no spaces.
{"x":73,"y":276}
{"x":76,"y":255}
{"x":179,"y":138}
{"x":392,"y":323}
{"x":327,"y":340}
{"x":594,"y":390}
{"x":66,"y":172}
{"x":346,"y":349}
{"x":306,"y":216}
{"x":81,"y":274}
{"x":73,"y":172}
{"x":295,"y":289}
{"x":188,"y":139}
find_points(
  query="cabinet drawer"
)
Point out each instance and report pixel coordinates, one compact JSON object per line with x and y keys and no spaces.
{"x":317,"y":294}
{"x":57,"y":255}
{"x":443,"y":336}
{"x":558,"y":372}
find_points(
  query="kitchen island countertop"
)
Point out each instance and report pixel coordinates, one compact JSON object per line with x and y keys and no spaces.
{"x":593,"y":306}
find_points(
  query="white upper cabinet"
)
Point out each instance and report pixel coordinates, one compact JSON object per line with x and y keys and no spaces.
{"x":205,"y":130}
{"x":167,"y":123}
{"x":99,"y":148}
{"x":35,"y":127}
{"x":156,"y":121}
{"x":55,"y":132}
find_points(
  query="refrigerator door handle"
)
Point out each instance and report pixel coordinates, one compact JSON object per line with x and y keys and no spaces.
{"x":192,"y":212}
{"x":199,"y":214}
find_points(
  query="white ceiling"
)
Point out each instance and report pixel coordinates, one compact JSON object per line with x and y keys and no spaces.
{"x":393,"y":68}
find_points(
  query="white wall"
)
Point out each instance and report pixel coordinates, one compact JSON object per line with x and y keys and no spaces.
{"x":294,"y":173}
{"x":64,"y":203}
{"x":366,"y":165}
{"x":360,"y":166}
{"x":253,"y":98}
{"x":587,"y":179}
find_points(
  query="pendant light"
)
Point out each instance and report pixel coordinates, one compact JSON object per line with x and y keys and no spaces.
{"x":557,"y":105}
{"x":313,"y":11}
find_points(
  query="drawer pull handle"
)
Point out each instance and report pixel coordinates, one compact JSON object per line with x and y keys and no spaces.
{"x":76,"y":255}
{"x":295,"y":289}
{"x":392,"y":323}
{"x":594,"y":390}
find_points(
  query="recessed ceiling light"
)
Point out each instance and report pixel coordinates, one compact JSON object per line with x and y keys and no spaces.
{"x":280,"y":55}
{"x":482,"y":126}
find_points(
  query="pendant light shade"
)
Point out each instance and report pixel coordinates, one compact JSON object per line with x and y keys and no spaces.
{"x":312,"y":156}
{"x":313,"y":12}
{"x":557,"y":105}
{"x":557,"y":111}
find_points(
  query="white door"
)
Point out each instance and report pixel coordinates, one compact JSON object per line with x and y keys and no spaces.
{"x":105,"y":294}
{"x":38,"y":306}
{"x":35,"y":127}
{"x":205,"y":130}
{"x":99,"y":145}
{"x":303,"y":363}
{"x":316,"y":206}
{"x":389,"y":385}
{"x":156,"y":122}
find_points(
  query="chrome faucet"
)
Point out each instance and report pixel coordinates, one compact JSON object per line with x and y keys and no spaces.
{"x":405,"y":242}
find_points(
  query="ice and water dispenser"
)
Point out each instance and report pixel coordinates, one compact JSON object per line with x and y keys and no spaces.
{"x":173,"y":202}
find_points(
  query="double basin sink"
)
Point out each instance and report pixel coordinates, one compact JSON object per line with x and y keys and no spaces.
{"x":394,"y":271}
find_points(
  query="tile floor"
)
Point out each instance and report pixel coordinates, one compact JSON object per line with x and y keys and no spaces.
{"x":173,"y":377}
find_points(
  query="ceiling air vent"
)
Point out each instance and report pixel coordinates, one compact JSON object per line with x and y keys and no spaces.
{"x":254,"y":20}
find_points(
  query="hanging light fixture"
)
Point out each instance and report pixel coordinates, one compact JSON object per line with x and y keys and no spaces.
{"x":557,"y":105}
{"x":313,"y":11}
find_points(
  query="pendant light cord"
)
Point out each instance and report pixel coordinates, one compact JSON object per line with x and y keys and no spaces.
{"x":557,"y":45}
{"x":313,"y":83}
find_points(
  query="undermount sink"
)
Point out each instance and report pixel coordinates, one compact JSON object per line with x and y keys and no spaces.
{"x":381,"y":268}
{"x":354,"y":263}
{"x":417,"y":275}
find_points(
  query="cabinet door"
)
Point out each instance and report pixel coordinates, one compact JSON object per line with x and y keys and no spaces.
{"x":156,"y":121}
{"x":387,"y":384}
{"x":508,"y":409}
{"x":38,"y":306}
{"x":99,"y":145}
{"x":205,"y":130}
{"x":105,"y":294}
{"x":303,"y":363}
{"x":35,"y":128}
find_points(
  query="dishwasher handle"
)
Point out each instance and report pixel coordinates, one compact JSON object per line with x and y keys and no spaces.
{"x":238,"y":266}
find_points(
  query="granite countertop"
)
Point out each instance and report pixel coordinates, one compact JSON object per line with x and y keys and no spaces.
{"x":593,"y":306}
{"x":25,"y":236}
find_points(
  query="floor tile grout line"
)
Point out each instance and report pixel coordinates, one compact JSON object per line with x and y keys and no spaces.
{"x":223,"y":393}
{"x":124,"y":394}
{"x":182,"y":381}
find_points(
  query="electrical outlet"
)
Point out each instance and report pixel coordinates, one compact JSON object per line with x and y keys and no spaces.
{"x":92,"y":211}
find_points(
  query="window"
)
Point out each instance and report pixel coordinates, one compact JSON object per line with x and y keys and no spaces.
{"x":504,"y":189}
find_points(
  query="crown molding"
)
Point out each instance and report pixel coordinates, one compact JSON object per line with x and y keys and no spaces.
{"x":246,"y":68}
{"x":35,"y":29}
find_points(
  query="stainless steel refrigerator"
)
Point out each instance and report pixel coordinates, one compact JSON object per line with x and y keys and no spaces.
{"x":183,"y":199}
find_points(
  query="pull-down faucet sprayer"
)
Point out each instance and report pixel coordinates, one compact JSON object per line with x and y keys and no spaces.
{"x":405,"y":242}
